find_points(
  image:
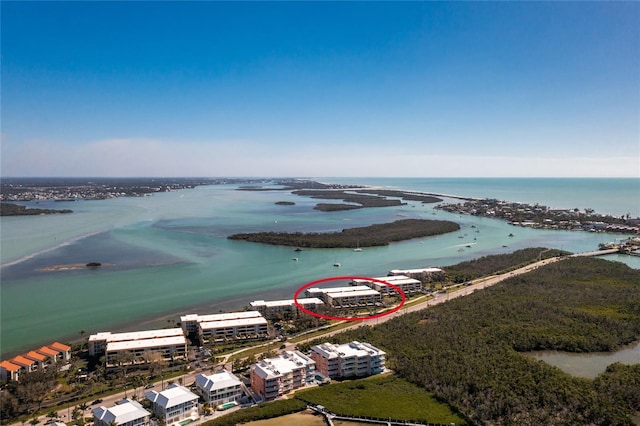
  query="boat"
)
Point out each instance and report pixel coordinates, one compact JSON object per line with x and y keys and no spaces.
{"x":337,"y":265}
{"x":298,"y":249}
{"x":357,"y":249}
{"x":295,"y":259}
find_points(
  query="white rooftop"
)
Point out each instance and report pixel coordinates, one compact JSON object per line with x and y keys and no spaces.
{"x":288,"y":302}
{"x":137,"y":335}
{"x":350,"y":288}
{"x":367,"y":292}
{"x":146,"y":343}
{"x":220,"y":380}
{"x":172,"y":396}
{"x":414,"y":271}
{"x":125,"y":411}
{"x":233,"y":323}
{"x":284,"y":364}
{"x":355,"y":348}
{"x":220,"y":317}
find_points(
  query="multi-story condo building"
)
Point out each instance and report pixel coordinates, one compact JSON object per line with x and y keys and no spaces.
{"x":270,"y":309}
{"x":174,"y":404}
{"x":169,"y":343}
{"x":346,"y":297}
{"x":404,"y":283}
{"x":246,"y":325}
{"x":126,"y":413}
{"x":421,"y":274}
{"x":353,"y":359}
{"x":219,"y":388}
{"x":273,"y":377}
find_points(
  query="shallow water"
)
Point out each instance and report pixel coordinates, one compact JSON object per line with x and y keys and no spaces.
{"x":589,"y":365}
{"x":169,"y":254}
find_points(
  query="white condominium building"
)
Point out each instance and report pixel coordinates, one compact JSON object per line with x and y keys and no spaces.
{"x":126,"y":413}
{"x":353,"y":359}
{"x":273,"y":377}
{"x":419,"y":273}
{"x":219,"y":388}
{"x":346,"y":297}
{"x":406,"y":284}
{"x":169,"y":343}
{"x":246,"y":325}
{"x":270,"y":309}
{"x":174,"y":404}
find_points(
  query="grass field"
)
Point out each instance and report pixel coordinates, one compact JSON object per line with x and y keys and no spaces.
{"x":305,"y":418}
{"x":381,"y":396}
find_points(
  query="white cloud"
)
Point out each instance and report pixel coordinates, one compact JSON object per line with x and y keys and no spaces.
{"x":147,"y":157}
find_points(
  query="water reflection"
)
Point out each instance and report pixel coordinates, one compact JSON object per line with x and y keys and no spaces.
{"x":591,"y":364}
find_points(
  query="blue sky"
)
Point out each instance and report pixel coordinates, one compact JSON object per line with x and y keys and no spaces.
{"x":320,"y":89}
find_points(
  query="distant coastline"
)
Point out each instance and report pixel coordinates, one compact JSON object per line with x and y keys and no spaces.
{"x":8,"y":209}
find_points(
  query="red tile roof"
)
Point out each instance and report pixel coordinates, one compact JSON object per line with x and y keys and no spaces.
{"x":47,"y":351}
{"x":20,"y":360}
{"x":60,"y":346}
{"x":35,"y":355}
{"x":9,"y":366}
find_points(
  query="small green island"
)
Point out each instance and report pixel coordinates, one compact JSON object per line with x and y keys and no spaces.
{"x":285,"y":203}
{"x":368,"y":236}
{"x":8,"y":209}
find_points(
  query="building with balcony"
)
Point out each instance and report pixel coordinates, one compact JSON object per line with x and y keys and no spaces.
{"x":219,"y":388}
{"x":168,"y":343}
{"x":274,"y":377}
{"x":174,"y":404}
{"x":271,"y":309}
{"x":220,"y":328}
{"x":353,"y":359}
{"x":347,"y":297}
{"x":404,"y":283}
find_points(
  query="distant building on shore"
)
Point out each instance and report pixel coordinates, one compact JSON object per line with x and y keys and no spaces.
{"x":424,"y":274}
{"x":404,"y":283}
{"x":346,"y":297}
{"x":353,"y":359}
{"x":271,"y":309}
{"x":274,"y":377}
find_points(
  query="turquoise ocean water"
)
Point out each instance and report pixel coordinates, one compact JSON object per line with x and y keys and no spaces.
{"x":168,"y":254}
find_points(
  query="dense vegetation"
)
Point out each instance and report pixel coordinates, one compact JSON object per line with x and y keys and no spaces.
{"x":358,"y":200}
{"x":494,"y":264}
{"x":368,"y":236}
{"x":8,"y":209}
{"x":381,"y":397}
{"x":411,"y":196}
{"x":259,"y":412}
{"x":466,"y":350}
